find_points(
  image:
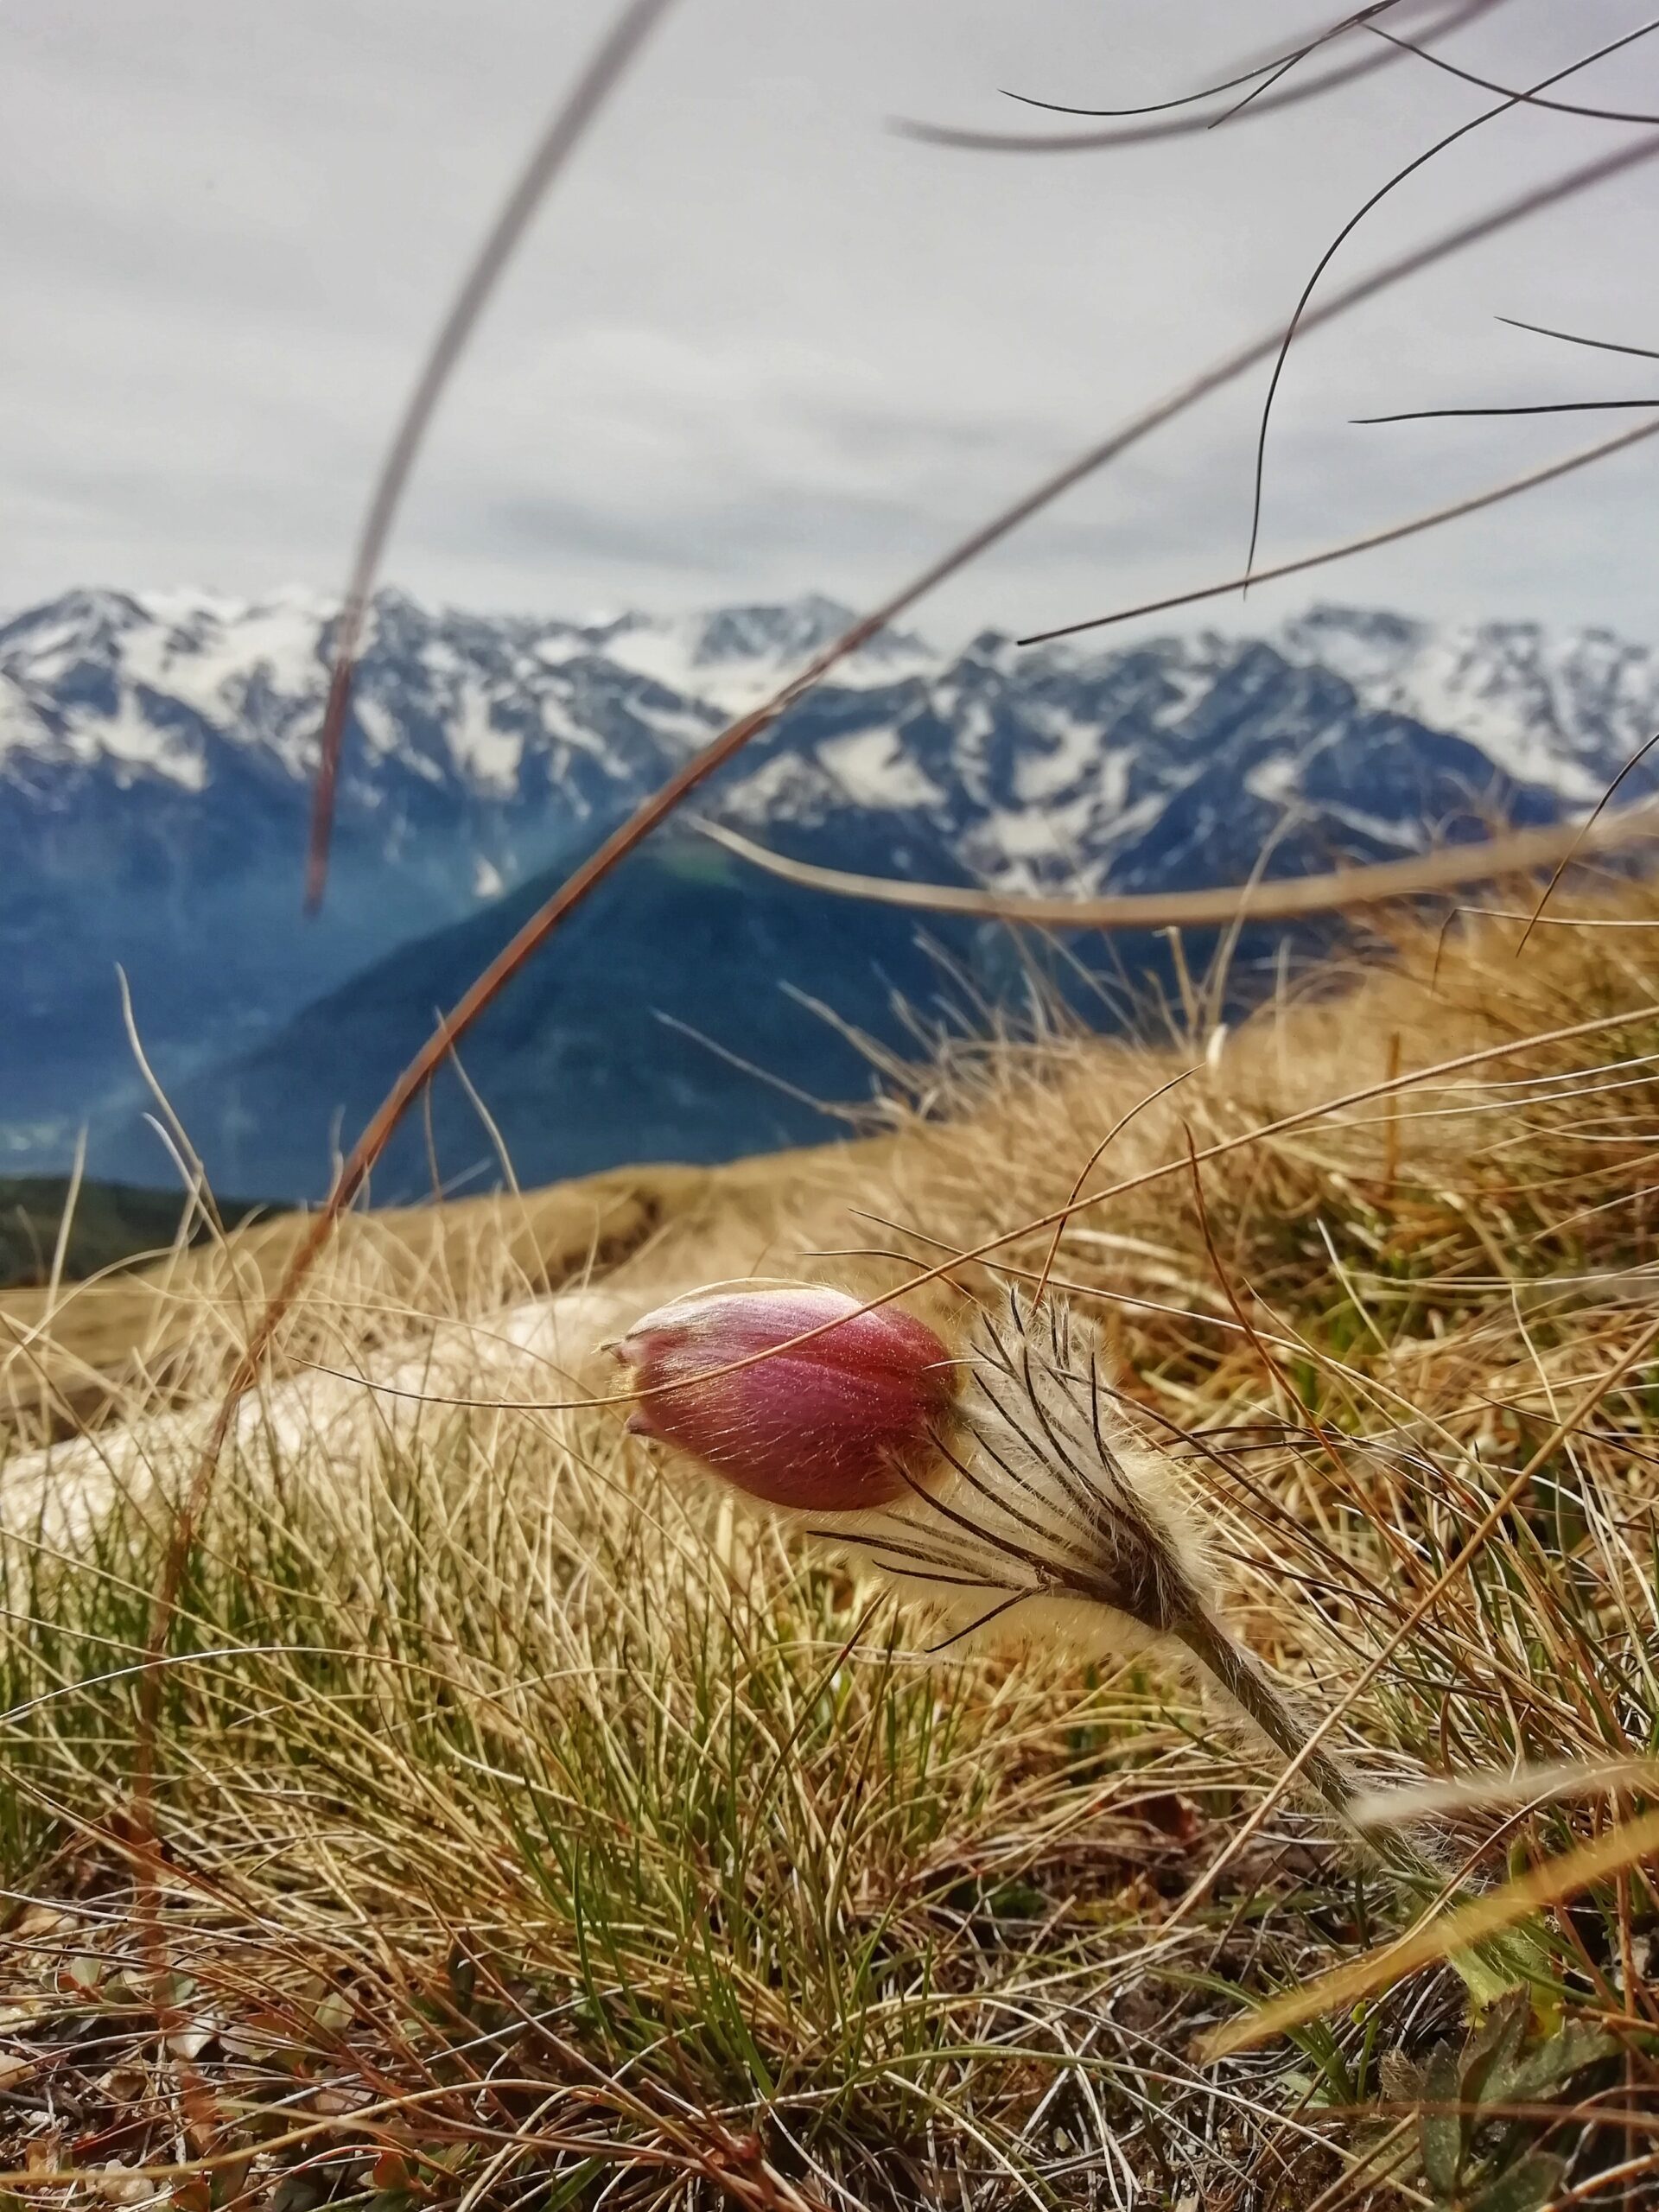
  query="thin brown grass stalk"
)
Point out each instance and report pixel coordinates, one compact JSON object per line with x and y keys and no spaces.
{"x":1294,"y":898}
{"x":1369,"y":541}
{"x":1261,"y":74}
{"x":1292,"y":95}
{"x":1551,"y":1883}
{"x":569,"y":125}
{"x":1511,"y":94}
{"x":1509,"y":102}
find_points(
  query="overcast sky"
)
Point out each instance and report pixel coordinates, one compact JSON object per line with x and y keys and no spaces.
{"x":758,"y":342}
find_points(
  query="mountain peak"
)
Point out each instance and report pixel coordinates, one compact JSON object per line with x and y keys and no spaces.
{"x":156,"y":751}
{"x":800,"y":625}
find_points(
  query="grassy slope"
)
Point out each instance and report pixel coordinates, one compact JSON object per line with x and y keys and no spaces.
{"x":539,"y":1831}
{"x":112,"y":1223}
{"x":77,"y":1356}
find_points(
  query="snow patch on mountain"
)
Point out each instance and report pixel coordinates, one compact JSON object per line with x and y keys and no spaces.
{"x":873,"y":768}
{"x":1563,"y":710}
{"x":158,"y":751}
{"x":739,"y":656}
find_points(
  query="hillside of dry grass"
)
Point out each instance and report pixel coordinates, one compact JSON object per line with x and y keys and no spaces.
{"x":539,"y":1827}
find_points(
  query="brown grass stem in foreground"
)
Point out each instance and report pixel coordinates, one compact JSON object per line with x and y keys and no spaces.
{"x":1297,"y":897}
{"x":1511,"y":95}
{"x":1473,"y":1922}
{"x":1574,"y":338}
{"x":1513,"y":1491}
{"x":554,"y":148}
{"x":563,"y":134}
{"x":1510,"y":102}
{"x":1588,"y":828}
{"x":1270,"y":70}
{"x":1512,"y":487}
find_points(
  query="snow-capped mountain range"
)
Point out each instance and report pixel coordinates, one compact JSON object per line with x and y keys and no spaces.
{"x":156,"y":751}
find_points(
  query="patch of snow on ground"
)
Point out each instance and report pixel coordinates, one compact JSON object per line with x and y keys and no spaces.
{"x":1365,"y":650}
{"x":1045,"y":836}
{"x":1498,"y":717}
{"x":282,"y":637}
{"x":681,"y":725}
{"x":50,"y":651}
{"x":1133,"y":819}
{"x":1410,"y":836}
{"x":784,"y":787}
{"x":559,"y":724}
{"x":660,"y":651}
{"x":129,"y":736}
{"x":188,"y":605}
{"x":206,"y":653}
{"x":1112,"y":784}
{"x":1560,"y":712}
{"x":1191,"y":686}
{"x":668,"y":653}
{"x":377,"y":723}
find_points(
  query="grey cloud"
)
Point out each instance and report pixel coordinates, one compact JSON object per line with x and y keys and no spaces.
{"x":758,"y":343}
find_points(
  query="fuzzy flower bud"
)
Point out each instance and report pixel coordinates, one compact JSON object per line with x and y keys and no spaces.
{"x":826,"y":1427}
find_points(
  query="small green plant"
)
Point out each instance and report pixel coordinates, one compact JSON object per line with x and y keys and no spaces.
{"x":1479,"y":2119}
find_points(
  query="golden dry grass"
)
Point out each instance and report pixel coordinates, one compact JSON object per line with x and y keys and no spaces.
{"x":540,"y":1830}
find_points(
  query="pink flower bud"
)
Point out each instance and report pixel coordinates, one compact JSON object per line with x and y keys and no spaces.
{"x":825,"y":1428}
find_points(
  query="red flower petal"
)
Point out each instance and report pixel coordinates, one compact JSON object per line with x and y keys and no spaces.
{"x":824,"y":1427}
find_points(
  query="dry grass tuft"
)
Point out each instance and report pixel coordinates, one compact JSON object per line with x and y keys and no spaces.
{"x":536,"y":1831}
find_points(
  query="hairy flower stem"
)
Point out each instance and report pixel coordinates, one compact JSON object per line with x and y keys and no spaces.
{"x":1241,"y":1676}
{"x":1486,"y":1970}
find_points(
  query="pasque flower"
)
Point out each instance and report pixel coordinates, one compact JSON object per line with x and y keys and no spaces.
{"x":834,"y":1425}
{"x":1038,"y":1494}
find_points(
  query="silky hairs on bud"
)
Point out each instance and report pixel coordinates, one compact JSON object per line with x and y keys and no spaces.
{"x":1043,"y":1497}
